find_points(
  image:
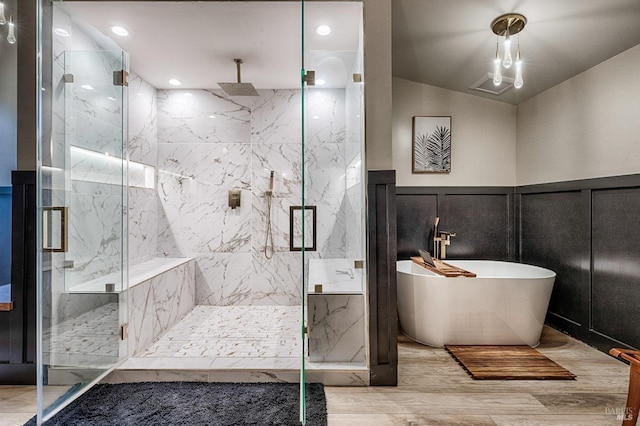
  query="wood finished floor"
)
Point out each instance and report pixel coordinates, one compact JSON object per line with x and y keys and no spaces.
{"x":435,"y":390}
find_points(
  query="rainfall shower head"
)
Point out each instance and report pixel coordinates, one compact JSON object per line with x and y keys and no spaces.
{"x":239,"y":88}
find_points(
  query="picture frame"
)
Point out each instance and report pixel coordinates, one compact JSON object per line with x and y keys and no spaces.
{"x":295,"y":228}
{"x":431,"y":145}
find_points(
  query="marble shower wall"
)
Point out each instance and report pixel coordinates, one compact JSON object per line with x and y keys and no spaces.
{"x":209,"y":144}
{"x":158,"y":303}
{"x":143,"y":148}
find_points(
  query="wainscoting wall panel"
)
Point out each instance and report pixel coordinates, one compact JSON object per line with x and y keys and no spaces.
{"x":481,"y":217}
{"x":615,"y":289}
{"x":586,"y":231}
{"x":415,"y":222}
{"x":554,"y":234}
{"x":18,"y":325}
{"x":483,"y":224}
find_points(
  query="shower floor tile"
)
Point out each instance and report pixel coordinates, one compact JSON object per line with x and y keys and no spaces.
{"x":228,"y":337}
{"x":90,"y":340}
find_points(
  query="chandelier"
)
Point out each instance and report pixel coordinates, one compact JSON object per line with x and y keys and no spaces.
{"x":506,"y":26}
{"x":11,"y":32}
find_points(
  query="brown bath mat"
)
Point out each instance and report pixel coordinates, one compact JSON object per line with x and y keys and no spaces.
{"x":507,"y":362}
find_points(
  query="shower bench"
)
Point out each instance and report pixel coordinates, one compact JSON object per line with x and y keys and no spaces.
{"x":335,"y":316}
{"x":161,"y":292}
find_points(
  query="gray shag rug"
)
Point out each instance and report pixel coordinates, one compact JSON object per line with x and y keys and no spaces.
{"x":189,"y":403}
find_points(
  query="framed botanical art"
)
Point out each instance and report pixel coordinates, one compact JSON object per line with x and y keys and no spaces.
{"x":431,"y":149}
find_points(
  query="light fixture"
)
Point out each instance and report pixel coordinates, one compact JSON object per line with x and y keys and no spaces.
{"x":320,"y":82}
{"x":497,"y":72}
{"x":87,"y":87}
{"x":11,"y":28}
{"x":61,"y":32}
{"x":518,"y":82}
{"x":11,"y":35}
{"x":506,"y":26}
{"x":323,"y":30}
{"x":3,"y":20}
{"x":121,"y":31}
{"x":175,"y":82}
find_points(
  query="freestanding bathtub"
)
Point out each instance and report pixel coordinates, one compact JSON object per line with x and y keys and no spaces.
{"x":505,"y":304}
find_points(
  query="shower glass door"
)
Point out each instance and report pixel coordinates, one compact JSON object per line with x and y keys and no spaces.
{"x":299,"y":225}
{"x":332,"y":217}
{"x":82,"y":273}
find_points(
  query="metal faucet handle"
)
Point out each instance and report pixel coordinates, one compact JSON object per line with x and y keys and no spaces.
{"x":447,"y":234}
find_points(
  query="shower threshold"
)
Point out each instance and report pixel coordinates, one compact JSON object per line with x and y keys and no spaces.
{"x":235,"y":344}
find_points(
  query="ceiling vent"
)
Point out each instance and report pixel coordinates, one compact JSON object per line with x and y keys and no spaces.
{"x":485,"y":84}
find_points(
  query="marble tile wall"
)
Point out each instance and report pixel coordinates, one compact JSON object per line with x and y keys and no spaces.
{"x":157,"y":304}
{"x":143,"y":148}
{"x":336,"y":328}
{"x":208,"y":144}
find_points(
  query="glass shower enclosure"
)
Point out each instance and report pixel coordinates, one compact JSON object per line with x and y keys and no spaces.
{"x":83,"y":178}
{"x":309,"y":131}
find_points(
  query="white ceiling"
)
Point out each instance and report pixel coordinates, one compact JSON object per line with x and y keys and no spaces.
{"x":196,"y":42}
{"x":449,"y":43}
{"x":444,"y":43}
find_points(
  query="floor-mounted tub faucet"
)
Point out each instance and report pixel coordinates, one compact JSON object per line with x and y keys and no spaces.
{"x":442,"y":242}
{"x":445,"y":240}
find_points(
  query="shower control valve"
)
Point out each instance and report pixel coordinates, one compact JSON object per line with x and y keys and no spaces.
{"x":234,"y":198}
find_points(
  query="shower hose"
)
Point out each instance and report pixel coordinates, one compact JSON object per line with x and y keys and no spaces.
{"x":269,"y":247}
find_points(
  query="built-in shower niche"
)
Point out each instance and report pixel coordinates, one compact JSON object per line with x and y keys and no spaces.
{"x":335,"y":315}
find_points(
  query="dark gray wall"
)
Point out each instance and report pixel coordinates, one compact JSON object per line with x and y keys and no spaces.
{"x":481,"y":217}
{"x":5,"y":235}
{"x":381,"y":274}
{"x":587,"y":231}
{"x":555,"y":235}
{"x":615,"y":285}
{"x":18,"y":326}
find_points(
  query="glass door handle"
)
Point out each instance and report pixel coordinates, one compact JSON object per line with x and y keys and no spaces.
{"x":55,"y":229}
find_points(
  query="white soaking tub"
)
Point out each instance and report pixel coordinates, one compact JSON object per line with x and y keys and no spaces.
{"x":505,"y":304}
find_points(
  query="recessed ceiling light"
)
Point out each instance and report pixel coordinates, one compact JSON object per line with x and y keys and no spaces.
{"x":323,"y":30}
{"x":212,"y":116}
{"x":123,"y":32}
{"x":189,"y":94}
{"x":320,"y":82}
{"x":315,"y":117}
{"x":61,"y":32}
{"x":175,"y":82}
{"x":87,"y":87}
